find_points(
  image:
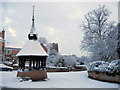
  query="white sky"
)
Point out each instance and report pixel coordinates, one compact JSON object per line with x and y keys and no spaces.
{"x":56,"y":21}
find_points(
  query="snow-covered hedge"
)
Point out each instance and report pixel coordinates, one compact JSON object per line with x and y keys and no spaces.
{"x":102,"y":66}
{"x":98,"y":66}
{"x":114,"y":67}
{"x":6,"y":62}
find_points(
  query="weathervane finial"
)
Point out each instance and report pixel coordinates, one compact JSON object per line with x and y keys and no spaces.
{"x":33,"y":11}
{"x":33,"y":34}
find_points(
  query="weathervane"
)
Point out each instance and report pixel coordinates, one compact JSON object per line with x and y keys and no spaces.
{"x":33,"y":11}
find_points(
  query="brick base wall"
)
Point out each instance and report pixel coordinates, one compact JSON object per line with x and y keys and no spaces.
{"x":34,"y":75}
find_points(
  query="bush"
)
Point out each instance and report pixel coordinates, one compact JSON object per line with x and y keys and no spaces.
{"x":98,"y":66}
{"x":114,"y":67}
{"x":102,"y":66}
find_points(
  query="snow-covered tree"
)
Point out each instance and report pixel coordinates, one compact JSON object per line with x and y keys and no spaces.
{"x":43,"y":40}
{"x":70,"y":60}
{"x":83,"y":60}
{"x":118,"y":48}
{"x":53,"y":52}
{"x":55,"y":59}
{"x":62,"y":61}
{"x":100,"y":35}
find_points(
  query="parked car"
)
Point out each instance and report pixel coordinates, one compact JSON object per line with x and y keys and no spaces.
{"x":5,"y":68}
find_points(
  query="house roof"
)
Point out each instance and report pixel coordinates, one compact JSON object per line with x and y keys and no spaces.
{"x":12,"y":48}
{"x":1,"y":40}
{"x":32,"y":48}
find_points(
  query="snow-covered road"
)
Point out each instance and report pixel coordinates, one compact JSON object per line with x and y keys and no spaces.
{"x":56,"y":80}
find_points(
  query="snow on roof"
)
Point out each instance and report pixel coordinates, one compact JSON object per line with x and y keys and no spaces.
{"x":12,"y":48}
{"x":32,"y":48}
{"x":1,"y":40}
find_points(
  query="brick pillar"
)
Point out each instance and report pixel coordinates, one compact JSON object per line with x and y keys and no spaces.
{"x":3,"y":34}
{"x":3,"y":45}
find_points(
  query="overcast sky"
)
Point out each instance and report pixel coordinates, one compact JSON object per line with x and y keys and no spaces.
{"x":56,"y":21}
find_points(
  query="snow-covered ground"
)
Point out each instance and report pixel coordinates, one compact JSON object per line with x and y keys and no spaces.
{"x":56,"y":80}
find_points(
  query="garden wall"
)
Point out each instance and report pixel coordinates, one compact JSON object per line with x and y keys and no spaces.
{"x":65,"y":69}
{"x":104,"y":76}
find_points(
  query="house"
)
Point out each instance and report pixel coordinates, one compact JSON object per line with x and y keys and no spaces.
{"x":7,"y":53}
{"x":10,"y":53}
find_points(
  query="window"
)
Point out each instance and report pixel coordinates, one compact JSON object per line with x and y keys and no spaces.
{"x":8,"y":52}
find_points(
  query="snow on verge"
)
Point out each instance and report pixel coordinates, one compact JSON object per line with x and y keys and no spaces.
{"x":56,"y":80}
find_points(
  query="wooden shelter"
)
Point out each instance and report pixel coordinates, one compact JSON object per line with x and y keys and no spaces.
{"x":33,"y":53}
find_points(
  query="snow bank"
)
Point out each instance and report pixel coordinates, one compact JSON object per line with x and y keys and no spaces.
{"x":6,"y":62}
{"x":81,"y":66}
{"x":15,"y":64}
{"x":4,"y":66}
{"x":52,"y":67}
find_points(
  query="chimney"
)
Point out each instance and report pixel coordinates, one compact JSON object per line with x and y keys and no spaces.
{"x":3,"y":34}
{"x":3,"y":46}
